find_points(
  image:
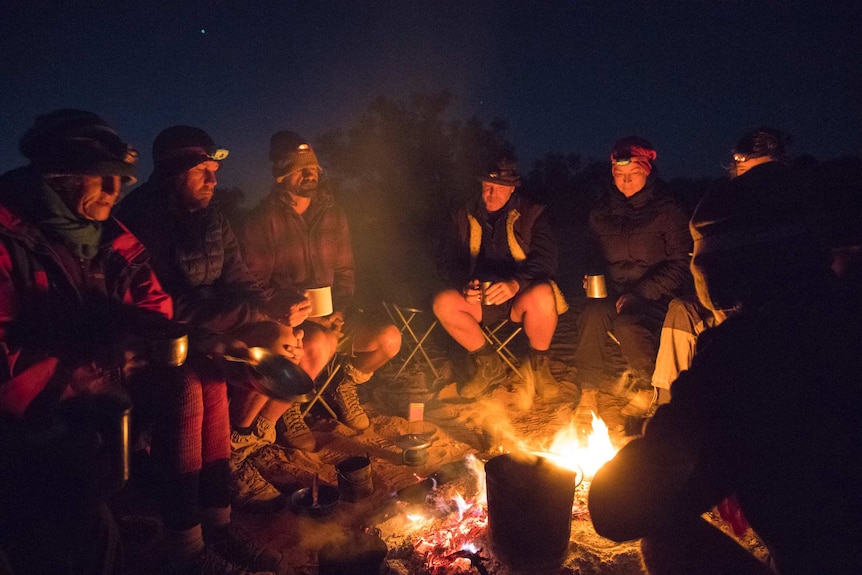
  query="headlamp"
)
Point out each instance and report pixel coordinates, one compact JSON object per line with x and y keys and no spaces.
{"x":217,"y":154}
{"x":131,"y":155}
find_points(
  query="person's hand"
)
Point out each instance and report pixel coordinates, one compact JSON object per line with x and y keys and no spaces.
{"x":501,"y":292}
{"x":289,"y":344}
{"x":134,"y":357}
{"x":585,"y":285}
{"x":297,"y":312}
{"x":625,"y":301}
{"x":473,"y":292}
{"x":336,"y":323}
{"x":218,"y":344}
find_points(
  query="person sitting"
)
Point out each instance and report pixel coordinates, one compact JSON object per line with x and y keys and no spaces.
{"x":505,"y":240}
{"x":197,"y":258}
{"x":298,"y":238}
{"x":686,"y":317}
{"x":767,"y":412}
{"x":75,"y":286}
{"x":641,"y":243}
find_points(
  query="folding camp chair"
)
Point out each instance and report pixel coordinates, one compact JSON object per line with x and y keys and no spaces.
{"x":403,"y":317}
{"x":332,"y":369}
{"x":499,"y":336}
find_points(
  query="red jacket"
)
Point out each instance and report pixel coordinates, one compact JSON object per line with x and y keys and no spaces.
{"x":50,"y":300}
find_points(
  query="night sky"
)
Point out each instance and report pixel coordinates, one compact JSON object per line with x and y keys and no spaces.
{"x":567,"y":76}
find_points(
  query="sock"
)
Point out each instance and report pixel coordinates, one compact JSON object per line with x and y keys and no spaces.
{"x":355,"y":375}
{"x":539,"y":352}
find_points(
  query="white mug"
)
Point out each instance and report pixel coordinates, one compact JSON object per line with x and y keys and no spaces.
{"x":321,"y":301}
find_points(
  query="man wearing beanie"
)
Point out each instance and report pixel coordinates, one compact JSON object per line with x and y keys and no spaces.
{"x":768,"y":411}
{"x":78,"y":290}
{"x":641,"y":244}
{"x":298,"y":238}
{"x":506,"y":240}
{"x":197,"y":257}
{"x":686,"y":317}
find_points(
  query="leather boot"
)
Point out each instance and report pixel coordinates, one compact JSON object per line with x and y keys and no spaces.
{"x":490,"y":370}
{"x":547,"y":386}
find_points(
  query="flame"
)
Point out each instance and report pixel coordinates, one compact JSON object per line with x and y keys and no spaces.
{"x":569,"y":449}
{"x":456,"y":524}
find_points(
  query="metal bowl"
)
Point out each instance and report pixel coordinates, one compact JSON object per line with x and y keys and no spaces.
{"x":278,"y":377}
{"x":327,"y":499}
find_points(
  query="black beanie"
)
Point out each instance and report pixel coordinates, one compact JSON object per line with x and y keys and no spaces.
{"x":179,"y":148}
{"x":68,"y":142}
{"x":289,"y":152}
{"x":503,"y":173}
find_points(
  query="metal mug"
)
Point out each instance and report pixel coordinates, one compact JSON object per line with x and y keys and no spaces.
{"x":595,"y":286}
{"x":484,"y":288}
{"x":169,"y":351}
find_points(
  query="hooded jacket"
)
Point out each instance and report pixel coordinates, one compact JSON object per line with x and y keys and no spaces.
{"x":54,"y":305}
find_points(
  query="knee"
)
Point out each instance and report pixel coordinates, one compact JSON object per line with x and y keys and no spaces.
{"x":446,"y":303}
{"x":682,"y":315}
{"x":389,"y":339}
{"x":319,"y":344}
{"x":538,"y":300}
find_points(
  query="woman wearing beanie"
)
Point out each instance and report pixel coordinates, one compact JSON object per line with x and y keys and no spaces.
{"x":641,"y":244}
{"x":768,"y":411}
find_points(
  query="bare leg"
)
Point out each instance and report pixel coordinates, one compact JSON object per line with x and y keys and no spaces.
{"x":374,"y":345}
{"x":245,"y":404}
{"x":536,"y":308}
{"x":461,"y":319}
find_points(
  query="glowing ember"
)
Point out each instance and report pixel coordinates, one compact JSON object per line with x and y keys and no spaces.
{"x":449,"y":537}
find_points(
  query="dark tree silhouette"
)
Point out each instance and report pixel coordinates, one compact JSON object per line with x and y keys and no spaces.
{"x":398,"y":170}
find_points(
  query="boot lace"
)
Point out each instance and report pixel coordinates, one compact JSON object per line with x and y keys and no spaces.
{"x":350,"y":400}
{"x":294,"y":422}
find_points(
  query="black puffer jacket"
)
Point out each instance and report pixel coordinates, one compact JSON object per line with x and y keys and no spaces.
{"x":197,"y":258}
{"x":642,"y":243}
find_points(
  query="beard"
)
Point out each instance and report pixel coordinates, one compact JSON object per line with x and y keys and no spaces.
{"x":306,"y":188}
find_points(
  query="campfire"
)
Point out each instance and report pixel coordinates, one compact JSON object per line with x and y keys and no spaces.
{"x":449,"y":531}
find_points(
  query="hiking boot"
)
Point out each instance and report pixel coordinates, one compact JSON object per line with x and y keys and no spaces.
{"x":345,"y":402}
{"x":234,"y":544}
{"x":251,"y":492}
{"x":244,"y":445}
{"x":294,"y":432}
{"x":547,"y":386}
{"x":265,"y":429}
{"x":489,"y":371}
{"x":208,"y":562}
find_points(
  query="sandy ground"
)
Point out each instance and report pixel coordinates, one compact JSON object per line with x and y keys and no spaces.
{"x":458,"y":431}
